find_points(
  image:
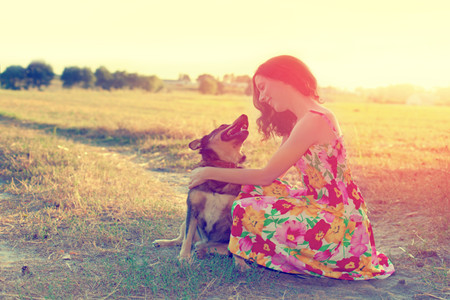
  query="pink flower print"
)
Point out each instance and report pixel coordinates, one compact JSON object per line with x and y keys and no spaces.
{"x":372,"y":238}
{"x":383,"y":259}
{"x":301,"y":165}
{"x":237,"y":215}
{"x":316,"y":234}
{"x":283,"y":206}
{"x":335,"y":195}
{"x":372,"y":244}
{"x":288,"y":263}
{"x":247,"y":188}
{"x":329,"y":162}
{"x":339,"y":151}
{"x":336,"y":250}
{"x":321,"y":256}
{"x":347,"y":264}
{"x":258,"y":202}
{"x":375,"y":260}
{"x":343,"y":189}
{"x":355,"y":195}
{"x":291,"y":233}
{"x":246,"y":192}
{"x":327,"y":216}
{"x":356,"y":218}
{"x":345,"y":276}
{"x":245,"y":244}
{"x":324,"y":159}
{"x":310,"y":190}
{"x":263,"y":246}
{"x":297,"y":192}
{"x":359,"y":241}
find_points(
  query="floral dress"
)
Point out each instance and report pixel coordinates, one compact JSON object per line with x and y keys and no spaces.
{"x":321,"y":229}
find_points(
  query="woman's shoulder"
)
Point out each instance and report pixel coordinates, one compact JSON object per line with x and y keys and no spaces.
{"x":321,"y":110}
{"x":328,"y":116}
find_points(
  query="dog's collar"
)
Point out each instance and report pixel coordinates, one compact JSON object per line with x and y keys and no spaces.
{"x":219,"y":164}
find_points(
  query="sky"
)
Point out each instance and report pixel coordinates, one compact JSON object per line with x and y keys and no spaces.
{"x":345,"y":43}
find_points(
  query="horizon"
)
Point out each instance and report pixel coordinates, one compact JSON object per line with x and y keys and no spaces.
{"x":346,"y":45}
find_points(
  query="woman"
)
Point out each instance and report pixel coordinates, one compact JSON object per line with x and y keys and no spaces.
{"x":321,"y":229}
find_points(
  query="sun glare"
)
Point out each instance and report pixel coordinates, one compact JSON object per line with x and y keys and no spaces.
{"x":346,"y":45}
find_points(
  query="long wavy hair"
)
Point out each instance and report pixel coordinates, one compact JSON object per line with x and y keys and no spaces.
{"x":289,"y":70}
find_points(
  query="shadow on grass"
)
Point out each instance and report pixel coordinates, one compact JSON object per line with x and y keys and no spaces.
{"x":160,"y":148}
{"x":98,"y":136}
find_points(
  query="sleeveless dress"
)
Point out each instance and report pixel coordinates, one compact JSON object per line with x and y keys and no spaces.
{"x":320,"y":229}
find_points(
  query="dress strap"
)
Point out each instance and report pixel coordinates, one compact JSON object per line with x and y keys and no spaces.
{"x":327,"y":119}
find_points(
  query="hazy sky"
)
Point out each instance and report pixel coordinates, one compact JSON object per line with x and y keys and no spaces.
{"x":345,"y":43}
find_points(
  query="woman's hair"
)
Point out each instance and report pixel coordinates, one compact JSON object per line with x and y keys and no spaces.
{"x":289,"y":70}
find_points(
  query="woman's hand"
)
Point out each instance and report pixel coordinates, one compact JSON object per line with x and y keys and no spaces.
{"x":197,"y":177}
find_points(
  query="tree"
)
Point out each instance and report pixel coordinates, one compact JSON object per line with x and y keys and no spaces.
{"x":13,"y":78}
{"x":104,"y":78}
{"x":220,"y":87}
{"x":202,"y":77}
{"x":243,"y":79}
{"x":156,"y":83}
{"x":119,"y":79}
{"x":87,"y":78}
{"x":151,"y":83}
{"x":249,"y":89}
{"x":133,"y":81}
{"x":71,"y":76}
{"x":208,"y":85}
{"x":39,"y":74}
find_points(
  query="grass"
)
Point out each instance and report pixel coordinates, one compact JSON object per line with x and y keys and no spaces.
{"x":77,"y":166}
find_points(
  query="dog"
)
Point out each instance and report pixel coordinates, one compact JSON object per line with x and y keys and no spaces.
{"x":208,"y":219}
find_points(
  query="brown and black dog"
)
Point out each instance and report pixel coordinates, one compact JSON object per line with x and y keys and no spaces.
{"x":208,"y":220}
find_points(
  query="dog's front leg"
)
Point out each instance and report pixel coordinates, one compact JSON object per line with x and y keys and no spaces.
{"x":191,"y":229}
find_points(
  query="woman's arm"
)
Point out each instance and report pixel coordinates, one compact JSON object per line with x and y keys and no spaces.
{"x":303,"y":135}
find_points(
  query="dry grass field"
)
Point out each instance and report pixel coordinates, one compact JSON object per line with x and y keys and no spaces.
{"x":88,"y":179}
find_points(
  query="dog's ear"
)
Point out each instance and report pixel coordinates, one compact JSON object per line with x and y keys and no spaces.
{"x":195,"y":145}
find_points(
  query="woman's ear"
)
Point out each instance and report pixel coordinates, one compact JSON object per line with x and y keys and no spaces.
{"x":195,"y":144}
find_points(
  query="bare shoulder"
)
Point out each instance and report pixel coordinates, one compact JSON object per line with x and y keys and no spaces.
{"x":331,"y":117}
{"x":308,"y":129}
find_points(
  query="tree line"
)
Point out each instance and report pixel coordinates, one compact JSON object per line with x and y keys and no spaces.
{"x":208,"y":84}
{"x":40,"y":74}
{"x":37,"y":74}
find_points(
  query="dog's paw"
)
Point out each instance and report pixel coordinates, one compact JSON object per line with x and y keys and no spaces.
{"x":184,"y":259}
{"x":201,"y":252}
{"x":156,"y":244}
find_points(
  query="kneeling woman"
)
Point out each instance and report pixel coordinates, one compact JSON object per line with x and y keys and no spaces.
{"x":321,"y":229}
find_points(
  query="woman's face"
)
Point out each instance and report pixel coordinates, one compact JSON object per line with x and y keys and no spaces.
{"x":273,"y":92}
